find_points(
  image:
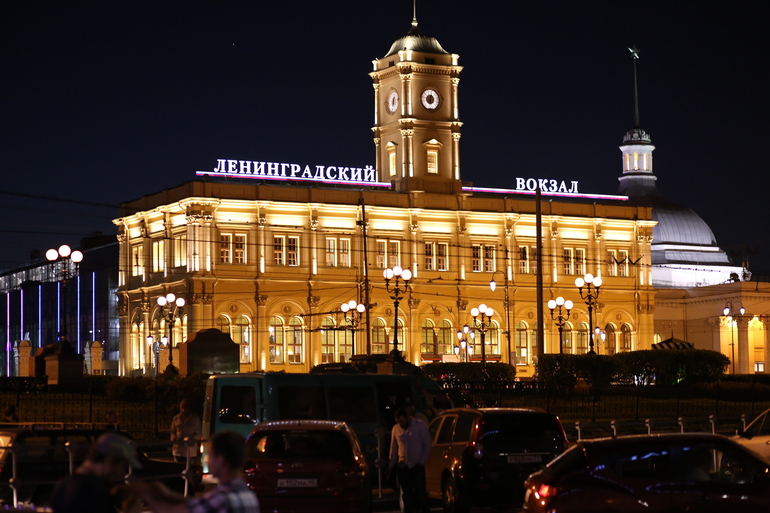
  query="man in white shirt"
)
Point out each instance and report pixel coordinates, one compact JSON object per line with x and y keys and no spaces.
{"x":409,"y":447}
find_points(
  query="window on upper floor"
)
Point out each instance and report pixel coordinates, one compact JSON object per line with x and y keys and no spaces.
{"x":574,"y":261}
{"x":137,"y":257}
{"x":483,"y":258}
{"x":286,"y":250}
{"x":158,"y":255}
{"x":436,"y":256}
{"x":388,"y":253}
{"x":180,"y":250}
{"x":337,"y":252}
{"x":232,"y":248}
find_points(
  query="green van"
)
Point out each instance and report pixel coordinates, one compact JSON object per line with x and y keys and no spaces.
{"x":367,"y":402}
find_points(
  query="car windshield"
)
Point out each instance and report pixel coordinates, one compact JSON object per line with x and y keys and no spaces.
{"x":514,"y":431}
{"x":5,"y":441}
{"x":295,"y":444}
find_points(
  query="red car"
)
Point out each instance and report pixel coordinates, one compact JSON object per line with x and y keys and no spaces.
{"x":307,"y":465}
{"x":652,"y":473}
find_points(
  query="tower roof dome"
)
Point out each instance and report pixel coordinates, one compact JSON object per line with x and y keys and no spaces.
{"x":679,"y":225}
{"x":416,"y":41}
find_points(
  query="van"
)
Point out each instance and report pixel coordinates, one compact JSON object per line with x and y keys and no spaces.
{"x":367,"y":402}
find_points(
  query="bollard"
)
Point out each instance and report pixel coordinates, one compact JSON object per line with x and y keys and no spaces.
{"x":648,"y":424}
{"x":577,"y":427}
{"x":712,"y":420}
{"x":680,"y":421}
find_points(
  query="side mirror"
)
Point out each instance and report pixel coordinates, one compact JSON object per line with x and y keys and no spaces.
{"x":743,"y":434}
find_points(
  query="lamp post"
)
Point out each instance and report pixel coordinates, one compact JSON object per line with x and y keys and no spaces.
{"x":155,"y":348}
{"x":507,"y":306}
{"x":598,"y":332}
{"x":729,"y":311}
{"x":353,"y":318}
{"x":170,"y":307}
{"x":464,"y":348}
{"x":401,"y":279}
{"x":591,"y":294}
{"x":482,"y":317}
{"x":560,"y":319}
{"x":63,"y":255}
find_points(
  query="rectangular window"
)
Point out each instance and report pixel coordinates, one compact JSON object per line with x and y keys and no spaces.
{"x":392,"y":164}
{"x":381,"y":261}
{"x":225,"y":248}
{"x":432,"y":162}
{"x":180,"y":251}
{"x":430,"y":262}
{"x":158,"y":254}
{"x":612,"y":264}
{"x":279,"y":256}
{"x":294,"y":343}
{"x":331,"y":252}
{"x":580,"y":259}
{"x":137,"y":255}
{"x":239,"y":249}
{"x":442,"y":256}
{"x":489,"y":258}
{"x":344,"y":252}
{"x":533,"y":263}
{"x":275,"y":343}
{"x":523,"y":260}
{"x":328,"y":345}
{"x":568,"y":269}
{"x":292,"y":252}
{"x":476,"y":258}
{"x":394,"y":253}
{"x":623,"y":263}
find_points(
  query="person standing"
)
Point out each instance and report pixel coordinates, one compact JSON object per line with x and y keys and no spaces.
{"x":226,"y":457}
{"x":89,"y":489}
{"x":409,"y":448}
{"x":185,"y":424}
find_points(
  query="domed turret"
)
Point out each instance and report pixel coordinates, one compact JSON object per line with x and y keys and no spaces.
{"x":416,"y":41}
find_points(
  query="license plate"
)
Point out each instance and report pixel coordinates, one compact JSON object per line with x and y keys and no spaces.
{"x":525,"y":458}
{"x":297,"y":483}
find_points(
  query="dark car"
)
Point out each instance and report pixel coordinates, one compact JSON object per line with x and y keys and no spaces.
{"x":307,"y":465}
{"x":482,"y":456}
{"x":41,"y":458}
{"x":666,"y":472}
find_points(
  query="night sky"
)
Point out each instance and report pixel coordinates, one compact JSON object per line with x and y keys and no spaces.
{"x":104,"y":102}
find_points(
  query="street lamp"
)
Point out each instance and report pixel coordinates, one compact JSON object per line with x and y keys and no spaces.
{"x":62,"y":255}
{"x":464,"y":349}
{"x":506,"y":305}
{"x":560,"y":319}
{"x":598,"y":332}
{"x":155,"y":349}
{"x":592,"y":293}
{"x":729,"y":311}
{"x":356,"y":311}
{"x":170,"y":308}
{"x":482,"y":318}
{"x":401,"y":278}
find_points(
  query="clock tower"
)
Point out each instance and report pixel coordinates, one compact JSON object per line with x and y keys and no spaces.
{"x":416,"y":115}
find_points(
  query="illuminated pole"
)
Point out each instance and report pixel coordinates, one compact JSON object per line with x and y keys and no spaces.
{"x":507,"y":306}
{"x":482,"y":317}
{"x":730,"y":313}
{"x":399,"y":275}
{"x":170,"y":307}
{"x":353,"y":320}
{"x":560,"y":319}
{"x":63,"y":254}
{"x":591,"y":294}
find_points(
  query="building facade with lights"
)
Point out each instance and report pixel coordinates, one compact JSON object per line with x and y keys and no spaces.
{"x":271,"y":256}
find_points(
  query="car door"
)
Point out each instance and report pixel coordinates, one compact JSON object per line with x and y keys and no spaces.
{"x":441,"y":430}
{"x":757,"y":435}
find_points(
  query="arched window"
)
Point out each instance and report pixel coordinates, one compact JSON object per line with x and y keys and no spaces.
{"x":522,"y":348}
{"x":240,"y":334}
{"x":582,"y":339}
{"x":533,"y":345}
{"x":445,"y":338}
{"x":625,"y":338}
{"x":223,"y":324}
{"x":492,"y":338}
{"x":427,"y":338}
{"x":346,"y":338}
{"x":379,"y":338}
{"x":294,"y":340}
{"x":610,"y":342}
{"x":566,"y":338}
{"x":328,"y":342}
{"x":276,"y":341}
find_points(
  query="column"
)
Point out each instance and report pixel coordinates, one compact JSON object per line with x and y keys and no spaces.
{"x":742,"y":349}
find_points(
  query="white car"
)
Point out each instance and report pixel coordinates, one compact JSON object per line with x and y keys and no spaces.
{"x":757,"y":435}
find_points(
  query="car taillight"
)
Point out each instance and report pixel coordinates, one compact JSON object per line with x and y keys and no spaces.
{"x":545,"y":491}
{"x":477,"y":448}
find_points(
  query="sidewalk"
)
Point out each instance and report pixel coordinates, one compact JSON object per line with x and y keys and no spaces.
{"x":388,"y":501}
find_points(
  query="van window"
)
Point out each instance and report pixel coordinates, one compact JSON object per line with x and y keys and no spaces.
{"x":392,"y":395}
{"x":445,"y":433}
{"x":352,"y":404}
{"x":465,"y":423}
{"x":304,"y":402}
{"x":238,"y":405}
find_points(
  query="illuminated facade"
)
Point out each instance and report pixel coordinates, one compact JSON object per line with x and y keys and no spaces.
{"x":271,"y":263}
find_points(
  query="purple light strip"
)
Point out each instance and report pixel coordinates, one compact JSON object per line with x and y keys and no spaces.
{"x":532,"y":193}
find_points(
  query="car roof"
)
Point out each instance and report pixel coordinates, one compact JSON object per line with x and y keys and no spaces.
{"x":311,"y":425}
{"x":492,"y":410}
{"x":613,"y":443}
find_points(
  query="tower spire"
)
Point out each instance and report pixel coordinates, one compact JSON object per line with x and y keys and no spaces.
{"x":414,"y":13}
{"x":635,"y":56}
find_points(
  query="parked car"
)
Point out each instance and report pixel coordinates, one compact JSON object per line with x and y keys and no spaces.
{"x":482,"y":456}
{"x":665,"y":472}
{"x":756,"y":436}
{"x":42,"y":459}
{"x":307,"y":465}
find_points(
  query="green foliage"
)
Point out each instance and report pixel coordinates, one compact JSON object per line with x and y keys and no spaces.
{"x":131,"y":389}
{"x":597,"y":370}
{"x":668,"y":368}
{"x":470,"y":371}
{"x":557,"y":371}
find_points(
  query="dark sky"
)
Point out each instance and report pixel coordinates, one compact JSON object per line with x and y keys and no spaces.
{"x":103,"y":102}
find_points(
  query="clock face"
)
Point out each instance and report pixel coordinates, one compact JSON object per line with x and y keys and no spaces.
{"x":392,"y":101}
{"x":430,"y":99}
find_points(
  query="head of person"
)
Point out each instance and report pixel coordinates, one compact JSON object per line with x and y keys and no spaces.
{"x":110,"y":457}
{"x":184,"y":405}
{"x":227,"y":453}
{"x":111,"y":417}
{"x":403,"y":417}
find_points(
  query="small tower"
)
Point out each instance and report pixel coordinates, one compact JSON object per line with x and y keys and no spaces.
{"x":637,"y":179}
{"x":416,"y":115}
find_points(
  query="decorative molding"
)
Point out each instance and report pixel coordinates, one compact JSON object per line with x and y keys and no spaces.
{"x":261,"y":299}
{"x":462,"y":304}
{"x":413,"y":302}
{"x":312,"y":301}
